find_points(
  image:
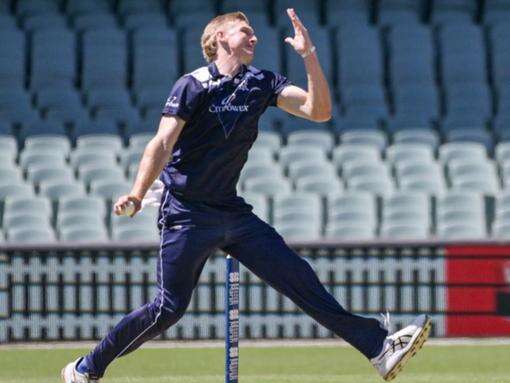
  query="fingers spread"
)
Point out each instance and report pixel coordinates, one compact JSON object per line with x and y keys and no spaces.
{"x":292,"y":16}
{"x":296,"y":22}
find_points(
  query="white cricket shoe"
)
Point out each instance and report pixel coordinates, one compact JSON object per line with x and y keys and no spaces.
{"x":400,"y":346}
{"x":69,"y":374}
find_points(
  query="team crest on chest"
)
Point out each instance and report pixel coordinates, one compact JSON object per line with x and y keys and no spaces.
{"x":229,"y":108}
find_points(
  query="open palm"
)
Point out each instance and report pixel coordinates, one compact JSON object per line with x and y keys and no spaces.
{"x":301,"y":41}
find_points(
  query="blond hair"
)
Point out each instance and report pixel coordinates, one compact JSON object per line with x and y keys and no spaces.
{"x":208,"y":40}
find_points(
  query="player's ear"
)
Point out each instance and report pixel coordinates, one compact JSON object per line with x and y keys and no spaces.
{"x":220,"y":35}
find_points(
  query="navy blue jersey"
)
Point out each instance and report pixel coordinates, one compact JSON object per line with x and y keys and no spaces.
{"x":221,"y":115}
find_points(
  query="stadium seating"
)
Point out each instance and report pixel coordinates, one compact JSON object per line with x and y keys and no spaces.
{"x":420,"y":127}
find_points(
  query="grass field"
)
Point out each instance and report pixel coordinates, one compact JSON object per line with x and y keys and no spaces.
{"x":438,"y":364}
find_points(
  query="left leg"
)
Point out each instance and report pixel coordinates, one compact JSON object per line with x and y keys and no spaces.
{"x":263,"y":251}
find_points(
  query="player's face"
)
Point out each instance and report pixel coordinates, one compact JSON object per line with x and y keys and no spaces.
{"x":241,"y":41}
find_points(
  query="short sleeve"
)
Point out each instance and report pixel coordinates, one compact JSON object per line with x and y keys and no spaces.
{"x":278,"y":83}
{"x":183,"y":98}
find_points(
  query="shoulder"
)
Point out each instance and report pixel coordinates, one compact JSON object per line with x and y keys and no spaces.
{"x":261,"y":74}
{"x":267,"y":75}
{"x":197,"y":80}
{"x":201,"y":76}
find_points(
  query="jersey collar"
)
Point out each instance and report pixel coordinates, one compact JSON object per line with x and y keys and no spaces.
{"x":215,"y":73}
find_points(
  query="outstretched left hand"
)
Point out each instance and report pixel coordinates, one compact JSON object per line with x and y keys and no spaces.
{"x":301,"y":41}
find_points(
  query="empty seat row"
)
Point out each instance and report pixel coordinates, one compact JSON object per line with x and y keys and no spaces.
{"x":450,"y":216}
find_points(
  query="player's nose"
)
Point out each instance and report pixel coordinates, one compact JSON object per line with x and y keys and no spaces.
{"x":254,"y":39}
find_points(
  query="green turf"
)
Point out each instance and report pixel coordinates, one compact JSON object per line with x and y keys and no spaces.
{"x":462,"y":364}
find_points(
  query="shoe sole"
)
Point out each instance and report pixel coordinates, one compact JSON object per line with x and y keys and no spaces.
{"x":415,"y":347}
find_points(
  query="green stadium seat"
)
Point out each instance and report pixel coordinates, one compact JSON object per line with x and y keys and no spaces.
{"x":413,"y":204}
{"x":261,"y":155}
{"x":84,"y":235}
{"x":418,"y":170}
{"x":25,"y":205}
{"x":131,"y":156}
{"x":474,"y":175}
{"x":92,"y":173}
{"x":350,"y":232}
{"x":57,"y":190}
{"x":304,"y":168}
{"x":430,"y":184}
{"x":382,"y":186}
{"x":459,"y":150}
{"x":297,"y":206}
{"x":39,"y":157}
{"x":139,"y":141}
{"x":109,"y":190}
{"x":92,"y":156}
{"x":8,"y":146}
{"x":31,"y":235}
{"x":404,"y":231}
{"x":421,"y":136}
{"x":293,"y":153}
{"x":137,"y":235}
{"x":82,"y":205}
{"x":501,"y":230}
{"x":132,"y":171}
{"x":410,"y":211}
{"x":111,"y":142}
{"x":259,"y":169}
{"x":10,"y":176}
{"x":457,"y":209}
{"x":377,"y":170}
{"x":271,"y":140}
{"x":408,"y":152}
{"x":318,"y":184}
{"x":7,"y":161}
{"x":267,"y":185}
{"x":461,"y":232}
{"x":375,"y":138}
{"x":77,"y":218}
{"x":362,"y":202}
{"x":57,"y":143}
{"x":321,"y":139}
{"x":346,"y":153}
{"x":38,"y":174}
{"x":15,"y":189}
{"x":33,"y":219}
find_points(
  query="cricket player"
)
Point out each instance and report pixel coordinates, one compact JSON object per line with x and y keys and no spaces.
{"x":207,"y":127}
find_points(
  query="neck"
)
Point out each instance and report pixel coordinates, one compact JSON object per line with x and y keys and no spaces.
{"x":228,"y":65}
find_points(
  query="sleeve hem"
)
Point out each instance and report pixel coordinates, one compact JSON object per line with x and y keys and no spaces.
{"x":174,"y":114}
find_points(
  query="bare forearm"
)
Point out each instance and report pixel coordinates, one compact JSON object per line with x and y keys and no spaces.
{"x":318,"y":101}
{"x":154,"y":159}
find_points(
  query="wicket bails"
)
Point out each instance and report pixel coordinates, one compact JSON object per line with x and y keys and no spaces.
{"x":232,"y":320}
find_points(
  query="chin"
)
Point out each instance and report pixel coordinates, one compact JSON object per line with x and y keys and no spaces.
{"x":248,"y":59}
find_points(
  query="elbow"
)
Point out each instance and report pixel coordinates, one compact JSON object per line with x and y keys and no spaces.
{"x":321,"y":115}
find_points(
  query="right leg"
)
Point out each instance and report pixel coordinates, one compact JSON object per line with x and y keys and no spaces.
{"x":184,"y":251}
{"x":263,"y":251}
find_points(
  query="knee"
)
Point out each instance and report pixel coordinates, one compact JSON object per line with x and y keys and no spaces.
{"x":168,"y":313}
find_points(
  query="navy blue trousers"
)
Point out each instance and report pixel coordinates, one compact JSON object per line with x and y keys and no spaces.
{"x":190,"y":233}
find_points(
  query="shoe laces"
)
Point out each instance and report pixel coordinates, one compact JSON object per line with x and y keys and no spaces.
{"x":386,"y":322}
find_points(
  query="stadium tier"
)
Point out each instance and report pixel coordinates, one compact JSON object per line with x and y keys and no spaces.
{"x":417,"y":147}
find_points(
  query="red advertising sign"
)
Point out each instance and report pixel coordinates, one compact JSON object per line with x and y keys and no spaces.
{"x":478,"y":297}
